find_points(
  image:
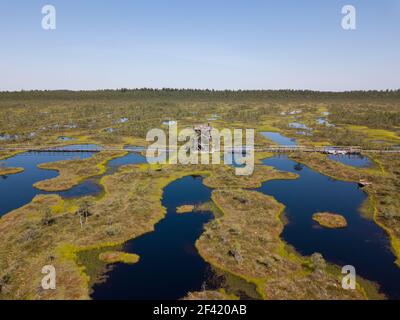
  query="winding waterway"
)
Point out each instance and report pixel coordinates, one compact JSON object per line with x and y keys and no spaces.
{"x":362,"y":244}
{"x":170,"y":266}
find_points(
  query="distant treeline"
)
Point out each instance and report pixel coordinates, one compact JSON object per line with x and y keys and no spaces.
{"x":197,"y":94}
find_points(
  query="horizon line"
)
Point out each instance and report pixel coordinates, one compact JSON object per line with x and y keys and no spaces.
{"x":122,"y":89}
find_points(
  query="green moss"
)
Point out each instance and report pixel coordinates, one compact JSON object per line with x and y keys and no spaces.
{"x":367,"y":209}
{"x":236,"y":285}
{"x":377,"y":134}
{"x":94,"y":267}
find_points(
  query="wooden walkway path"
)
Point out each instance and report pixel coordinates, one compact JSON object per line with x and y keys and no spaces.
{"x":272,"y":149}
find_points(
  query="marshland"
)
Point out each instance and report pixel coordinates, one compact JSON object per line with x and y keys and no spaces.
{"x":110,"y":224}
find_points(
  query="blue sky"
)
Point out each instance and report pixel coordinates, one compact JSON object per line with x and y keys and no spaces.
{"x":218,"y":44}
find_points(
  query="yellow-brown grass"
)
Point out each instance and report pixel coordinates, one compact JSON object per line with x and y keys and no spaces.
{"x":110,"y":257}
{"x":330,"y":220}
{"x":246,"y":241}
{"x":8,"y":171}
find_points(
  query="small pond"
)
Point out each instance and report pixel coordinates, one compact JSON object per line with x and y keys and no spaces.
{"x":279,"y":139}
{"x":354,"y":160}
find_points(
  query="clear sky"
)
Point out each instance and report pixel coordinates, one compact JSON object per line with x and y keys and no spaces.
{"x":234,"y":44}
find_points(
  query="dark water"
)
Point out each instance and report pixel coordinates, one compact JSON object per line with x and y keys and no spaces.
{"x":130,"y":158}
{"x":354,"y":160}
{"x":16,"y":190}
{"x":169,"y":265}
{"x":88,"y":187}
{"x":362,"y":244}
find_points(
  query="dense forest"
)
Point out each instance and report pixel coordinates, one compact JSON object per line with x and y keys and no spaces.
{"x":35,"y":116}
{"x":124,"y":93}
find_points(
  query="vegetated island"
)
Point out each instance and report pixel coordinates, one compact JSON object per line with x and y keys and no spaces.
{"x":330,"y":220}
{"x":185,"y":208}
{"x":118,"y":256}
{"x":7,"y":171}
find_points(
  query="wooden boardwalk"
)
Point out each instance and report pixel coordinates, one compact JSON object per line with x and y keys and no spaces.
{"x":273,"y":149}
